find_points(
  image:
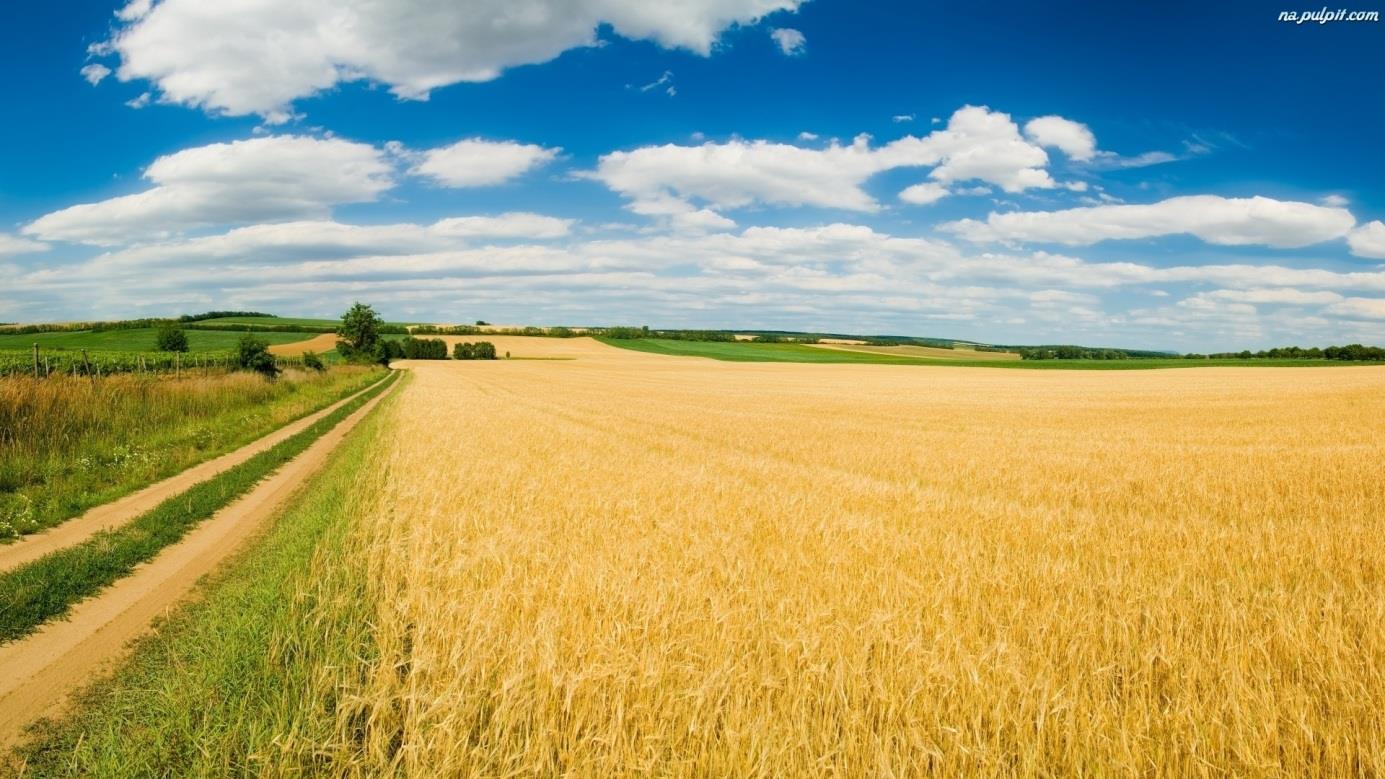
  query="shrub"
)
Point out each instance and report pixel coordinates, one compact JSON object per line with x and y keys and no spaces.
{"x":172,"y":339}
{"x":313,"y":362}
{"x":252,"y":354}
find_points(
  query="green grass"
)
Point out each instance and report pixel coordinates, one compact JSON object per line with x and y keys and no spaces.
{"x":46,"y":588}
{"x":747,"y":351}
{"x":231,"y":684}
{"x":67,"y":444}
{"x":138,"y":340}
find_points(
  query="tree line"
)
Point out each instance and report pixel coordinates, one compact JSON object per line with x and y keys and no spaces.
{"x":1348,"y":353}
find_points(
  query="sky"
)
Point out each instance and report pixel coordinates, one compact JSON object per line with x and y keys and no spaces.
{"x":1174,"y":176}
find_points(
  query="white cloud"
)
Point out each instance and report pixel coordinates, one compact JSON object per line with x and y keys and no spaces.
{"x":276,"y":178}
{"x":475,"y":162}
{"x":900,"y":118}
{"x":12,"y":245}
{"x":1368,"y":240}
{"x":738,"y":173}
{"x":268,"y":54}
{"x":1364,"y":308}
{"x":1072,"y":138}
{"x":664,"y":83}
{"x":139,"y":101}
{"x":1334,"y":201}
{"x":790,"y":41}
{"x":515,"y":224}
{"x":807,"y":136}
{"x":923,"y":194}
{"x":1217,"y":220}
{"x":1287,"y":296}
{"x":94,"y":72}
{"x":977,"y":144}
{"x":1105,"y":160}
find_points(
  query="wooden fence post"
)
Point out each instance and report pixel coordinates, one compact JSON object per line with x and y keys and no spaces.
{"x":36,"y":361}
{"x":177,"y":365}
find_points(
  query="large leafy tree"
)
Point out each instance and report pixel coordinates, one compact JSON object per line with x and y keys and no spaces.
{"x":360,"y":327}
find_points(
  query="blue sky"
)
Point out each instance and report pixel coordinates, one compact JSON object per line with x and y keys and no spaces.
{"x":1169,"y":177}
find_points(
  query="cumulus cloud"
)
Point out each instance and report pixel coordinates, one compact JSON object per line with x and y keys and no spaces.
{"x":475,"y":162}
{"x":94,"y":72}
{"x":275,"y":178}
{"x":1072,"y":138}
{"x":790,"y":41}
{"x":977,"y":144}
{"x":269,"y":54}
{"x":923,"y":194}
{"x":1368,"y":240}
{"x":1217,"y":220}
{"x":12,"y":245}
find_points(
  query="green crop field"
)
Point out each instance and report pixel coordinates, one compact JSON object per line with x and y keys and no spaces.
{"x":748,"y":351}
{"x":138,"y":340}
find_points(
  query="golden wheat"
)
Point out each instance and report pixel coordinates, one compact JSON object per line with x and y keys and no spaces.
{"x":628,"y":564}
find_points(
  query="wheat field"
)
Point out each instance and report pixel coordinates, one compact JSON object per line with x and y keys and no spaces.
{"x":628,"y":564}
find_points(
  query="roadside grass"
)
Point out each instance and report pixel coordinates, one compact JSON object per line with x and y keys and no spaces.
{"x":232,"y":683}
{"x":67,"y":444}
{"x":137,"y":340}
{"x":46,"y":588}
{"x":749,"y":351}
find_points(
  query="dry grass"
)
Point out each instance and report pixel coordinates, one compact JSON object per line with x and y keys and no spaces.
{"x":635,"y":565}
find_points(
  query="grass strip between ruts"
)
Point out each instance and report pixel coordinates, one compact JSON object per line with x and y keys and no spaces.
{"x":47,"y":587}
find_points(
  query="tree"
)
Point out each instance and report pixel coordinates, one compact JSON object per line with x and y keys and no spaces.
{"x":313,"y":362}
{"x":252,"y":354}
{"x":172,"y":339}
{"x":360,"y":328}
{"x":483,"y":350}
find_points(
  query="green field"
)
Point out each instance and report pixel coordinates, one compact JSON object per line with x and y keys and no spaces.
{"x":138,"y":340}
{"x":748,"y":351}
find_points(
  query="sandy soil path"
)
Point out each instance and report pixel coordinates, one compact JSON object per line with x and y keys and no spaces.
{"x":118,"y":512}
{"x":39,"y":672}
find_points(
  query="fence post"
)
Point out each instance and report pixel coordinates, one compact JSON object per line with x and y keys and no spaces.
{"x":36,"y":361}
{"x":177,"y":365}
{"x":86,"y":364}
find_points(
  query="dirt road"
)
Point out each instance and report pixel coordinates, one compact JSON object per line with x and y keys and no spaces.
{"x":38,"y":673}
{"x":118,"y":512}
